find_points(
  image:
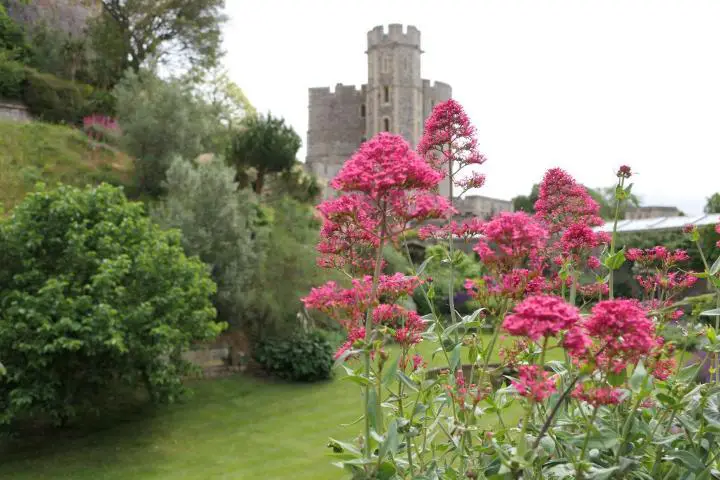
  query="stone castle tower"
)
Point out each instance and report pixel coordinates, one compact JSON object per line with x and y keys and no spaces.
{"x":395,"y":98}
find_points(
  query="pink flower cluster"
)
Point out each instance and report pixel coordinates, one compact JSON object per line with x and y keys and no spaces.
{"x":466,"y":230}
{"x":462,"y":393}
{"x":657,"y":254}
{"x":510,"y":240}
{"x":449,"y":143}
{"x":579,"y":238}
{"x":534,"y":383}
{"x":387,"y":185}
{"x":563,"y":202}
{"x":102,"y":121}
{"x":541,"y":316}
{"x":349,"y":305}
{"x":597,"y":396}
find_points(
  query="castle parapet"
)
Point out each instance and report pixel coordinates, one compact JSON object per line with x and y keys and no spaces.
{"x":395,"y":34}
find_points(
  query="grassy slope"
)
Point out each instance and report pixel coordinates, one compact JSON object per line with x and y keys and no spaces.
{"x":38,"y":152}
{"x":233,"y":428}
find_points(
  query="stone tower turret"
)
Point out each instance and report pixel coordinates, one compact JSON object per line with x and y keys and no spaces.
{"x":395,"y":87}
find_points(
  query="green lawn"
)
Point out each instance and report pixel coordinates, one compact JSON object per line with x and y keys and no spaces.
{"x":237,"y":427}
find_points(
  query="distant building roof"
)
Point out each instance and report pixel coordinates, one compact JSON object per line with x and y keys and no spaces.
{"x":661,"y":223}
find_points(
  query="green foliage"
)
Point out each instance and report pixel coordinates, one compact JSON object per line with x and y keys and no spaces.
{"x":94,"y":295}
{"x":129,"y":34}
{"x":55,"y":100}
{"x":295,"y":183}
{"x":266,"y":144}
{"x":12,"y":78}
{"x":216,"y":222}
{"x":713,"y":204}
{"x":438,"y":269}
{"x":41,"y":152}
{"x":159,"y":120}
{"x":12,"y":38}
{"x":306,"y":357}
{"x":605,"y":198}
{"x":286,"y":270}
{"x":526,"y":203}
{"x":61,"y":54}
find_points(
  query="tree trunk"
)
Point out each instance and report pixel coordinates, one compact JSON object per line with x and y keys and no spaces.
{"x":259,"y":181}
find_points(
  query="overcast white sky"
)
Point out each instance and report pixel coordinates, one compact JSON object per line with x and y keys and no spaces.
{"x":583,"y":85}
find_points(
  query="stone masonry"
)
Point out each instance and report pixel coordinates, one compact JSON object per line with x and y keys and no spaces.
{"x":395,"y":98}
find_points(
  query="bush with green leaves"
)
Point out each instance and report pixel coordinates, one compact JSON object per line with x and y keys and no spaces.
{"x":94,"y":296}
{"x":160,"y":119}
{"x":12,"y":78}
{"x":216,"y":221}
{"x":305,"y":357}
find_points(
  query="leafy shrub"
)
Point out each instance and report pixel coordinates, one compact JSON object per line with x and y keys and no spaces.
{"x":12,"y":79}
{"x":215,"y":220}
{"x":12,"y":37}
{"x":306,"y":357}
{"x":160,"y":120}
{"x":55,"y":100}
{"x":94,"y":296}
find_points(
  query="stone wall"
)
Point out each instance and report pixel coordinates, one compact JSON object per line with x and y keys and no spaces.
{"x":14,"y":112}
{"x":70,"y":16}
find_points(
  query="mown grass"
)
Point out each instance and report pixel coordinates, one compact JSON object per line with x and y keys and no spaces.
{"x":39,"y":152}
{"x":235,"y":428}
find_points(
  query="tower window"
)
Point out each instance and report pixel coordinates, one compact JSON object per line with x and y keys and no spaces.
{"x":362,"y":110}
{"x":386,"y":94}
{"x":386,"y":60}
{"x":386,"y":124}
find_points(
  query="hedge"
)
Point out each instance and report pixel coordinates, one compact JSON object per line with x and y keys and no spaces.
{"x":49,"y":98}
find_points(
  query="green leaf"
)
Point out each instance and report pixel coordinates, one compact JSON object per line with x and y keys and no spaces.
{"x":391,"y":442}
{"x":711,"y":412}
{"x":596,"y":473}
{"x":455,"y":357}
{"x":386,"y":471}
{"x":638,"y":377}
{"x":424,"y":265}
{"x":389,"y":375}
{"x":407,"y":381}
{"x":617,"y":379}
{"x":711,"y":334}
{"x":337,"y":444}
{"x":615,"y":261}
{"x":715,"y":312}
{"x":715,"y":267}
{"x":359,"y":379}
{"x":689,"y":459}
{"x":372,"y":408}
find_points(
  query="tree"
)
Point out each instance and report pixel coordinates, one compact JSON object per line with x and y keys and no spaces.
{"x":713,"y":204}
{"x":217,"y":225}
{"x":295,"y":183}
{"x":160,"y":119}
{"x":94,"y":296}
{"x":605,"y":197}
{"x":132,"y":32}
{"x":527,"y":203}
{"x":266,"y":144}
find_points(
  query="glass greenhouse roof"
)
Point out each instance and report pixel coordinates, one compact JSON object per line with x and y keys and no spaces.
{"x":661,"y":223}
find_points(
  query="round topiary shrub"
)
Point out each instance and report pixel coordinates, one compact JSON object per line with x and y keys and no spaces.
{"x":302,"y":358}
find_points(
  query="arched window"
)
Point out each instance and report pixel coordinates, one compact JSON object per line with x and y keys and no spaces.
{"x":362,"y":110}
{"x":386,"y":124}
{"x":386,"y":94}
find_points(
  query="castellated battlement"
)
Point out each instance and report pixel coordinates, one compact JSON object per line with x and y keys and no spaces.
{"x":395,"y":34}
{"x":339,"y":91}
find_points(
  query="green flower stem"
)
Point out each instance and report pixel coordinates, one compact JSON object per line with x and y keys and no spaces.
{"x":590,"y":426}
{"x":613,"y":239}
{"x":368,"y":335}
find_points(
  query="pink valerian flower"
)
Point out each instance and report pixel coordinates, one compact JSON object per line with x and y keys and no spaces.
{"x":594,"y":290}
{"x":349,"y":305}
{"x":513,"y":285}
{"x":717,"y":230}
{"x":624,"y":172}
{"x":354,"y":335}
{"x":657,"y":255}
{"x":449,"y":144}
{"x":597,"y":396}
{"x":385,"y":164}
{"x":449,"y":137}
{"x":475,"y":180}
{"x":562,"y":202}
{"x":407,"y":326}
{"x":467,"y":230}
{"x":623,"y":331}
{"x":577,"y":342}
{"x":541,"y":316}
{"x":534,"y":383}
{"x":689,"y":228}
{"x":509,"y":240}
{"x":661,"y":363}
{"x":511,"y":356}
{"x":667,"y":282}
{"x":593,"y":262}
{"x":580,"y":239}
